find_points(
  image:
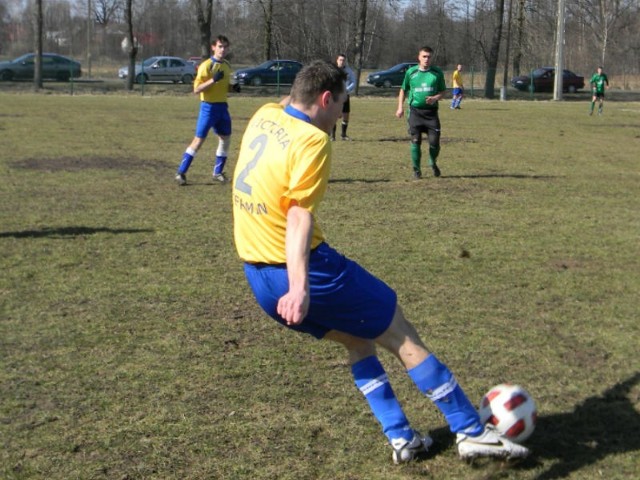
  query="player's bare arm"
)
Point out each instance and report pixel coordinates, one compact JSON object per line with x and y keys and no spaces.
{"x":400,"y":110}
{"x":294,"y":305}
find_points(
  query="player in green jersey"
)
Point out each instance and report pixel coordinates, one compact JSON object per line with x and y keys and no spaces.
{"x":599,"y":82}
{"x":422,"y":88}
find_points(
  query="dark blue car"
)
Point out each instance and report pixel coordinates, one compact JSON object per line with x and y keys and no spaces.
{"x":392,"y":77}
{"x":271,"y":72}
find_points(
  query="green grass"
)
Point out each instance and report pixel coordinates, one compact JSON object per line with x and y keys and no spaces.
{"x":131,"y":347}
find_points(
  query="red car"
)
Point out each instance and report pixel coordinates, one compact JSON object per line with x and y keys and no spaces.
{"x":196,"y":61}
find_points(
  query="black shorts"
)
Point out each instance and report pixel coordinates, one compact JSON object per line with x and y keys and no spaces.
{"x":598,"y":94}
{"x":346,"y":107}
{"x":423,"y":120}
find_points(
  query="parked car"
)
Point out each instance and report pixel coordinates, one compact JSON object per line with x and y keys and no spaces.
{"x":54,"y":66}
{"x":391,"y":77}
{"x":270,"y":72}
{"x":544,"y":79}
{"x":162,"y":69}
{"x":196,"y":61}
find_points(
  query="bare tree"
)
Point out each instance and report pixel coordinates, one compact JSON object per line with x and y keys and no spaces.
{"x":204,"y":15}
{"x":132,"y":44}
{"x":602,"y":17}
{"x":494,"y":52}
{"x":359,"y":41}
{"x":39,"y":32}
{"x":267,"y":10}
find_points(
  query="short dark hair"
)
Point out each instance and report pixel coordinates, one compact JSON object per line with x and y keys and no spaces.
{"x":315,"y":78}
{"x":426,"y":49}
{"x":221,"y":39}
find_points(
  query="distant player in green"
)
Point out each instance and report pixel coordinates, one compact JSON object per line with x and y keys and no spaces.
{"x":599,"y":82}
{"x":423,"y":87}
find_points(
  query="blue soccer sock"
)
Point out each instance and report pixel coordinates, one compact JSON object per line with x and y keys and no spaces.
{"x":372,"y":381}
{"x":187,"y":158}
{"x":436,"y":381}
{"x":220,"y":162}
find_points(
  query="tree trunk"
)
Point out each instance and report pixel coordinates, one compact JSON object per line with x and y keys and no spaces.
{"x":267,"y":10}
{"x":133,"y":45}
{"x":37,"y":75}
{"x":204,"y":26}
{"x":359,"y":41}
{"x":494,"y":53}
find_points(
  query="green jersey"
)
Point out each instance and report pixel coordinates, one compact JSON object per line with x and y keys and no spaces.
{"x":419,"y":84}
{"x":599,"y":80}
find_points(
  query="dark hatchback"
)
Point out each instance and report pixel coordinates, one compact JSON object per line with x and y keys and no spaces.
{"x":54,"y":66}
{"x":393,"y":77}
{"x":544,"y":78}
{"x":271,"y":72}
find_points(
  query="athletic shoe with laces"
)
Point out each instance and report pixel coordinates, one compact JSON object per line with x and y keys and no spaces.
{"x":181,"y":179}
{"x":219,"y":177}
{"x":436,"y":171}
{"x":489,"y":444}
{"x":407,"y":450}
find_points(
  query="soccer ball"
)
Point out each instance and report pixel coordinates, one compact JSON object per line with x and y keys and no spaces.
{"x":511,"y":410}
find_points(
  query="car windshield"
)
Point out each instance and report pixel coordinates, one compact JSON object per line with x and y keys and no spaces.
{"x":23,"y":58}
{"x":538,"y":72}
{"x":149,"y":61}
{"x":266,"y":64}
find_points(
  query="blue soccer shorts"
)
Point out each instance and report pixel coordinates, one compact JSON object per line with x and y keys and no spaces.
{"x":213,"y":116}
{"x":343,"y":295}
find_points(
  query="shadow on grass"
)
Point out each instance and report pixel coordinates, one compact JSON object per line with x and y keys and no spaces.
{"x":358,"y":180}
{"x":600,"y":426}
{"x":62,"y":232}
{"x":502,"y":175}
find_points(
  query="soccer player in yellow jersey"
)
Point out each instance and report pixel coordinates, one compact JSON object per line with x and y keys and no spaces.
{"x":458,"y":88}
{"x":213,"y":81}
{"x":307,"y":286}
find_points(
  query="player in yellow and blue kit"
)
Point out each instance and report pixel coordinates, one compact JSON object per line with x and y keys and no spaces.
{"x":300,"y":281}
{"x":213,"y":82}
{"x":423,"y":87}
{"x":458,"y":88}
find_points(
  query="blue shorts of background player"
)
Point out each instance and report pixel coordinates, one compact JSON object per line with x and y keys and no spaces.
{"x":213,"y":116}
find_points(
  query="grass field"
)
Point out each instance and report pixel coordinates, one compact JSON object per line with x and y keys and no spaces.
{"x":131,"y":347}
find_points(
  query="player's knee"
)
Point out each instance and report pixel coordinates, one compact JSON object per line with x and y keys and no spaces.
{"x":223,"y":145}
{"x":416,"y":139}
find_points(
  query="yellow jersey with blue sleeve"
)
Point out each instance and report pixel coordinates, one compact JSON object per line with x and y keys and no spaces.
{"x":284,"y":161}
{"x":217,"y":92}
{"x":457,"y":79}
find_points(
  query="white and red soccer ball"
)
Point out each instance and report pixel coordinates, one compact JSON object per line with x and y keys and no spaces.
{"x":511,"y":410}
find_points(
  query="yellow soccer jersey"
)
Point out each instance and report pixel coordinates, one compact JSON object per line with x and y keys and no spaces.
{"x":219,"y":90}
{"x":457,"y":79}
{"x":283,"y":161}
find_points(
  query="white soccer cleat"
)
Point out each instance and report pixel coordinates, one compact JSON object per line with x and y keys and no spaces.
{"x":489,"y":444}
{"x":181,"y":179}
{"x":219,"y":177}
{"x":407,"y":450}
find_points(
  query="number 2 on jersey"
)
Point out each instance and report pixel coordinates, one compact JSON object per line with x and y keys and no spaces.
{"x":258,"y":145}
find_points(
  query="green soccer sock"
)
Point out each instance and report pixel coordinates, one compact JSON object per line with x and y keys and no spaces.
{"x":416,"y":156}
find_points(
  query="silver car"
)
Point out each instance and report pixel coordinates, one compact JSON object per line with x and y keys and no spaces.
{"x":162,"y":69}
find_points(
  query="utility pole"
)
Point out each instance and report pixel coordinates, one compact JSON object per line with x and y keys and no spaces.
{"x":557,"y":86}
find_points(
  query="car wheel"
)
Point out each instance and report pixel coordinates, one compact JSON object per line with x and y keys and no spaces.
{"x":256,"y":81}
{"x":187,"y":78}
{"x":6,"y":75}
{"x":142,"y":77}
{"x":387,"y":84}
{"x":571,"y":89}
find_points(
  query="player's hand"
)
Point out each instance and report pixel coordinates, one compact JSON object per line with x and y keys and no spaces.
{"x":219,"y":75}
{"x":400,"y":113}
{"x":293,"y":307}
